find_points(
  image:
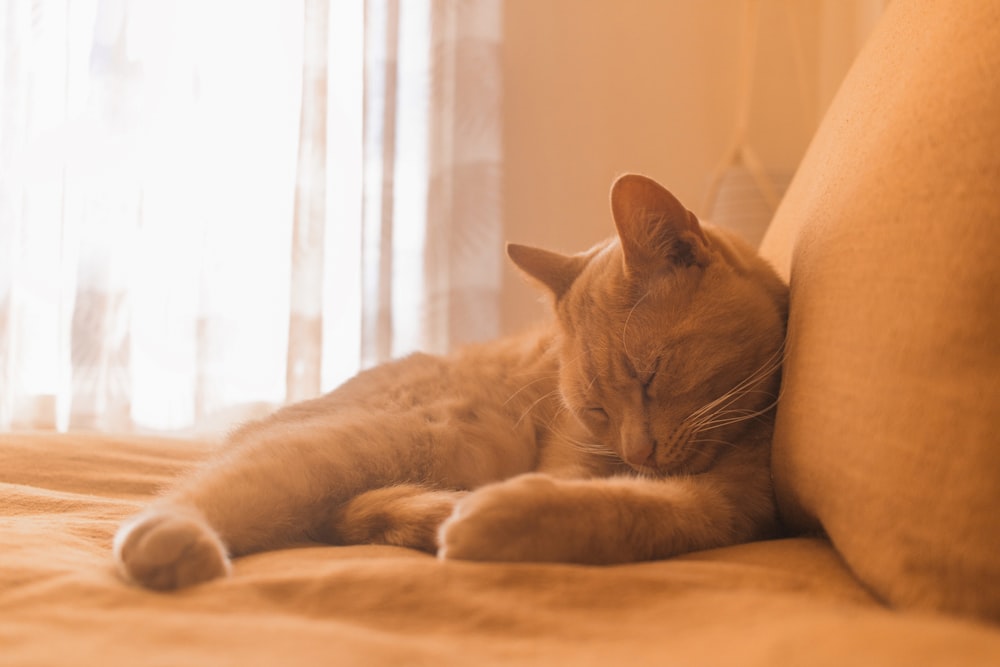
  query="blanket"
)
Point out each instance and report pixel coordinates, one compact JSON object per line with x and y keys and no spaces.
{"x":789,"y":601}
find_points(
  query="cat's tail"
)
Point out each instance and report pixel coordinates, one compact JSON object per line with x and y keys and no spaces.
{"x":169,"y":547}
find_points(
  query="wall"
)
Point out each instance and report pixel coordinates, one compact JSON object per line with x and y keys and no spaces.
{"x":595,"y":88}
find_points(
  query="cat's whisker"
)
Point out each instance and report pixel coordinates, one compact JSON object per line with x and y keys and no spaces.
{"x":590,"y":447}
{"x":762,"y":373}
{"x":551,"y":376}
{"x":729,"y":397}
{"x":725,"y":443}
{"x":727,"y":421}
{"x":742,"y":389}
{"x":531,"y":407}
{"x":719,"y":411}
{"x":597,"y":452}
{"x":724,"y":415}
{"x":550,"y":424}
{"x":724,"y":420}
{"x":726,"y":409}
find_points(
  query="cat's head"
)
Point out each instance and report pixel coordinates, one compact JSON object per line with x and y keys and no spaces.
{"x":671,"y":333}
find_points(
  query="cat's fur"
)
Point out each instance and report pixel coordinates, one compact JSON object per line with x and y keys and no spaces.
{"x":636,"y":427}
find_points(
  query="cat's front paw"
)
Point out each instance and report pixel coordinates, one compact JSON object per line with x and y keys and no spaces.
{"x":522,"y":519}
{"x":167,"y":548}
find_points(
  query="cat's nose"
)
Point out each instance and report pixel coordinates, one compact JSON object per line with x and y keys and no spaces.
{"x":636,"y":440}
{"x":638,"y":451}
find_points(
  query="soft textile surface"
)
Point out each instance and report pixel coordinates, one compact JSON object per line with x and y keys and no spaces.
{"x":61,"y":602}
{"x":887,"y":428}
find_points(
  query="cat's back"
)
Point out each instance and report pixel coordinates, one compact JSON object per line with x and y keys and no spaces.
{"x":499,"y":379}
{"x":471,"y":417}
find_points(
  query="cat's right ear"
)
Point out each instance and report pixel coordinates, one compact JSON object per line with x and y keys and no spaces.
{"x":554,"y":271}
{"x":655,"y":230}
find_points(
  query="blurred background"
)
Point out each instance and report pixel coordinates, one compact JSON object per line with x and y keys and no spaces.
{"x":212,"y":207}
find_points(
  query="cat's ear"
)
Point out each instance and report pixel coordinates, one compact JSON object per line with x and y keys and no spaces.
{"x":555,"y":271}
{"x":655,"y":229}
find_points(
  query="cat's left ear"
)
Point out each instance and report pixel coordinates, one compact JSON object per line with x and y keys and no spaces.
{"x":555,"y":271}
{"x":655,"y":229}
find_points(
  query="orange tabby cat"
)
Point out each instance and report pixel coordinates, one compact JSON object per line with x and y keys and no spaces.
{"x":637,"y":426}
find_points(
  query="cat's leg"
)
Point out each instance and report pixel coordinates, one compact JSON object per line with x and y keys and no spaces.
{"x":539,"y":518}
{"x":405,"y":515}
{"x":273,"y":487}
{"x":279,"y":482}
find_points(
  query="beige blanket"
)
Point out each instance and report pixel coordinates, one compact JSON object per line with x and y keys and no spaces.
{"x":61,"y":602}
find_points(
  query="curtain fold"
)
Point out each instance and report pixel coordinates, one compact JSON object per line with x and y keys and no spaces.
{"x":432,"y":214}
{"x":463,"y":267}
{"x":210,"y":204}
{"x":305,"y":327}
{"x":381,"y":101}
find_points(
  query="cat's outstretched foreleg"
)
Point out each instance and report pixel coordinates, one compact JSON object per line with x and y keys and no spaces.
{"x":268,"y":491}
{"x":173,"y":546}
{"x":327,"y":479}
{"x":538,"y":518}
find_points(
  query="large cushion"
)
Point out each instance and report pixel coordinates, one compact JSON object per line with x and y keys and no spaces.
{"x":887,"y":432}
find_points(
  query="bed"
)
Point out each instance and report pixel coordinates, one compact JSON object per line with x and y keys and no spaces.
{"x":789,"y":601}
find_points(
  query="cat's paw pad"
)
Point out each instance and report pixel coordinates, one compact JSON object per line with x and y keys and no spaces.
{"x":508,"y":521}
{"x":165,"y":549}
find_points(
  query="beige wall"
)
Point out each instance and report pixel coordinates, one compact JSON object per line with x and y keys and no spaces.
{"x":595,"y":88}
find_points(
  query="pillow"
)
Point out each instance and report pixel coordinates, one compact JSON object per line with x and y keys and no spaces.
{"x":888,"y":433}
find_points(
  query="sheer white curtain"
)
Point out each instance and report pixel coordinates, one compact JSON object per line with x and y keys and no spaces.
{"x":207,"y":204}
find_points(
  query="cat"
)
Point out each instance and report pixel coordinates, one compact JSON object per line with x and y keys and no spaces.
{"x":636,"y":426}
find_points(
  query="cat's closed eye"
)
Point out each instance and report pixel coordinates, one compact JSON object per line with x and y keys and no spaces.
{"x":598,"y":414}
